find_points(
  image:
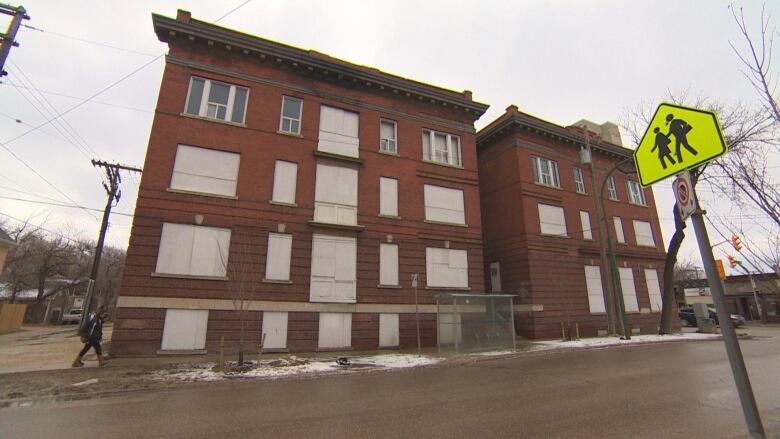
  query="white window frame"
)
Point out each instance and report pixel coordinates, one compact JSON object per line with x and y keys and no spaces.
{"x":333,"y":274}
{"x":546,"y":172}
{"x":387,"y":145}
{"x":642,"y":239}
{"x":448,"y":263}
{"x":203,"y":109}
{"x":279,"y":249}
{"x":342,"y":211}
{"x":579,"y":180}
{"x":612,"y":188}
{"x":388,"y":264}
{"x":587,"y":231}
{"x":549,"y":228}
{"x":283,"y":118}
{"x":444,"y":204}
{"x":284,"y":189}
{"x":629,"y":289}
{"x":635,"y":193}
{"x":180,"y":244}
{"x":217,"y":176}
{"x":595,"y":289}
{"x":388,"y":196}
{"x":620,"y":236}
{"x":451,"y":156}
{"x":653,"y":290}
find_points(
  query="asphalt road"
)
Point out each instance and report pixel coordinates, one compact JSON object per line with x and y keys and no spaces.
{"x":663,"y":390}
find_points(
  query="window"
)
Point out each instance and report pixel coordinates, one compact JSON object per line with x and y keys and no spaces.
{"x":216,"y":100}
{"x":552,"y":220}
{"x":388,"y":196}
{"x":446,"y":268}
{"x":644,"y":233}
{"x":277,"y":261}
{"x":274,"y":330}
{"x":291,"y":115}
{"x":388,"y":264}
{"x":653,"y":290}
{"x":444,"y":204}
{"x":205,"y":171}
{"x":587,"y":232}
{"x":338,"y":131}
{"x":193,"y":250}
{"x":335,"y":330}
{"x":629,"y":291}
{"x":333,"y":269}
{"x":387,"y":136}
{"x":335,"y":195}
{"x":595,"y":289}
{"x":388,"y":330}
{"x":184,"y":329}
{"x":612,"y":189}
{"x":635,"y":193}
{"x":285,"y":178}
{"x":546,"y":172}
{"x":441,"y":148}
{"x":621,"y":238}
{"x":579,"y":181}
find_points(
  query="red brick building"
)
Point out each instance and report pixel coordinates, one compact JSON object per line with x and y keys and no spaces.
{"x":539,"y":222}
{"x":310,"y":187}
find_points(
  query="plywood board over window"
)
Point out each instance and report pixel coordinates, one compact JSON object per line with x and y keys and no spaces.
{"x":629,"y":289}
{"x":444,"y":204}
{"x":277,"y":262}
{"x":335,"y":194}
{"x":446,"y":268}
{"x":285,"y":182}
{"x":184,"y":329}
{"x":388,"y":264}
{"x":552,"y":220}
{"x":193,"y":250}
{"x":274,"y":330}
{"x":644,"y":233}
{"x":388,"y":330}
{"x":653,"y":290}
{"x":388,"y":196}
{"x":206,"y":171}
{"x":595,"y":289}
{"x":333,"y":269}
{"x":338,"y":131}
{"x":335,"y":330}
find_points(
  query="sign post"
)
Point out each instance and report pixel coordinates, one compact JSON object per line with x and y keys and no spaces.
{"x":679,"y":139}
{"x":417,"y":312}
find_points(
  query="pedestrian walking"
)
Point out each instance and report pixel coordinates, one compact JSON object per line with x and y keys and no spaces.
{"x":662,"y":145}
{"x":680,"y":129}
{"x":94,"y":336}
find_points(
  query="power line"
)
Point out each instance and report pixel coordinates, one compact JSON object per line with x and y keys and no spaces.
{"x":37,"y":227}
{"x":231,"y":11}
{"x":126,"y":107}
{"x":49,"y":203}
{"x":84,"y":40}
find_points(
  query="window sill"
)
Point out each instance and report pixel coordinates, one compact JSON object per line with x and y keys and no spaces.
{"x":188,"y":276}
{"x":203,"y":194}
{"x":554,"y":236}
{"x":646,"y":246}
{"x":208,"y":119}
{"x":398,"y":287}
{"x":389,"y":216}
{"x":392,"y":154}
{"x":614,"y":200}
{"x":345,"y":158}
{"x":285,"y":133}
{"x":446,"y":165}
{"x":580,"y":193}
{"x":277,"y":281}
{"x":637,"y":204}
{"x":549,"y":186}
{"x":282,"y":203}
{"x":332,"y":300}
{"x":445,"y":224}
{"x":429,"y":287}
{"x":356,"y":228}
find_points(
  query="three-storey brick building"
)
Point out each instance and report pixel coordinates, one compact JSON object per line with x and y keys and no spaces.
{"x":540,"y":225}
{"x":302,"y":188}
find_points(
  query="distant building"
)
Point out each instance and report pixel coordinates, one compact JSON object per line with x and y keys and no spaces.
{"x":690,"y":291}
{"x":324,"y":184}
{"x":6,"y":243}
{"x":539,"y":221}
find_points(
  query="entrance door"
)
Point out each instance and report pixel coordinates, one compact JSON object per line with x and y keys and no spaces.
{"x":495,"y":277}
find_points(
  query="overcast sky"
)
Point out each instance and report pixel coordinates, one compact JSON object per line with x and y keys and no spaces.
{"x":558,"y":60}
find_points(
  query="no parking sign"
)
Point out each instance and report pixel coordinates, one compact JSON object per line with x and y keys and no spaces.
{"x":683,"y":193}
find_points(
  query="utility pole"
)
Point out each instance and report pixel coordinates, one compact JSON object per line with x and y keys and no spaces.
{"x":8,"y":39}
{"x":114,"y":193}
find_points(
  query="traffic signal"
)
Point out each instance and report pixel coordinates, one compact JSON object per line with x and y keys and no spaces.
{"x":732,"y":262}
{"x":736,"y":243}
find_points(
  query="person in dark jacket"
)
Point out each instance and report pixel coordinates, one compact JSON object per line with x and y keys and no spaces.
{"x":94,"y":336}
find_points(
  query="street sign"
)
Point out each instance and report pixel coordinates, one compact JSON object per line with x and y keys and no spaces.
{"x":683,"y":193}
{"x":678,"y":138}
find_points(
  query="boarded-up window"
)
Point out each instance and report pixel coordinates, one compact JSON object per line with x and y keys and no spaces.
{"x":205,"y":170}
{"x":338,"y":131}
{"x":388,"y":264}
{"x":444,"y":205}
{"x":587,"y":232}
{"x":335,"y":195}
{"x":184,"y":329}
{"x":446,"y":268}
{"x":193,"y":250}
{"x":621,"y":238}
{"x":644,"y":233}
{"x":595,"y":289}
{"x":275,"y":330}
{"x":653,"y":290}
{"x":629,"y":290}
{"x":277,"y":261}
{"x":333,"y":269}
{"x":388,"y":196}
{"x":285,"y":178}
{"x":335,"y":330}
{"x":388,"y":330}
{"x":551,"y":220}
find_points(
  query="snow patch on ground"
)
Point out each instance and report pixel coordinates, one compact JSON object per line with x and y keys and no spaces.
{"x":278,"y":368}
{"x":613,"y":341}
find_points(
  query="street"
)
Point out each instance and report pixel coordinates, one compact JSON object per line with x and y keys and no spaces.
{"x":662,"y":390}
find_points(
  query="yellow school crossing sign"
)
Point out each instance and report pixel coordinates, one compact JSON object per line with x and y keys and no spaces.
{"x":678,"y":138}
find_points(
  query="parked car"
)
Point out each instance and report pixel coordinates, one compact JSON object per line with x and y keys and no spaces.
{"x":72,"y":316}
{"x":688,"y":317}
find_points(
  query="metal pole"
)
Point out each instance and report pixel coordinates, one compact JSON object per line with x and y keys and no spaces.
{"x":417,"y":316}
{"x":8,"y":40}
{"x":512,"y":313}
{"x":749,"y":408}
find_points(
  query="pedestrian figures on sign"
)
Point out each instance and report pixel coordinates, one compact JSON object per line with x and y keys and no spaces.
{"x":679,"y":129}
{"x":662,"y":145}
{"x":94,"y":336}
